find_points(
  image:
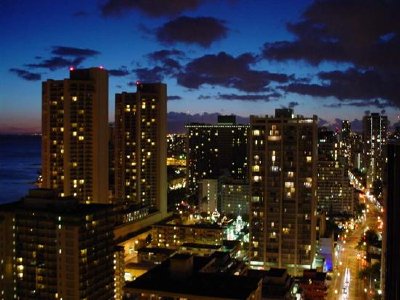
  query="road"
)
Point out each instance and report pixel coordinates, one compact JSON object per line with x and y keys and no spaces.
{"x":345,"y":282}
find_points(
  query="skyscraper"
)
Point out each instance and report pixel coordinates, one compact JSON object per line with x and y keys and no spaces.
{"x":57,"y":248}
{"x":283,"y":174}
{"x":216,"y":150}
{"x":375,"y":128}
{"x":391,"y":238}
{"x":75,"y":135}
{"x":334,"y":192}
{"x":140,"y":147}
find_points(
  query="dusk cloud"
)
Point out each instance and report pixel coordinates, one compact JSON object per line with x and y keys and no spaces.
{"x":362,"y":33}
{"x":74,"y":52}
{"x":56,"y":62}
{"x":24,"y":74}
{"x":155,"y":74}
{"x":165,"y":54}
{"x":250,"y":97}
{"x":63,"y":57}
{"x":152,"y":8}
{"x":228,"y":71}
{"x":351,"y":84}
{"x":174,"y":98}
{"x":121,"y":72}
{"x":201,"y":31}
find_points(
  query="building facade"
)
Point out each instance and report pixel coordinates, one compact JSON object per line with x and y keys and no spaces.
{"x":235,"y":198}
{"x":283,"y":175}
{"x":140,"y":147}
{"x":74,"y":135}
{"x":215,"y":150}
{"x":391,"y":240}
{"x":375,"y":129}
{"x":334,"y":192}
{"x":61,"y":249}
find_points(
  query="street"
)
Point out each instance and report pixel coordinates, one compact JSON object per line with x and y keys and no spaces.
{"x":349,"y":261}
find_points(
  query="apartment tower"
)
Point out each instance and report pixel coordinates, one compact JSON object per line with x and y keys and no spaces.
{"x":334,"y":192}
{"x":375,"y":128}
{"x":57,"y":248}
{"x":75,"y":135}
{"x":283,"y":174}
{"x":140,"y":147}
{"x":215,"y":150}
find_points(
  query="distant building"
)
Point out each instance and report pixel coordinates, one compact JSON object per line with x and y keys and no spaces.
{"x":235,"y":198}
{"x":140,"y":147}
{"x":208,"y":195}
{"x":375,"y":129}
{"x":74,"y":135}
{"x":334,"y":192}
{"x":57,"y":248}
{"x":283,"y":176}
{"x":216,"y":150}
{"x":277,"y":284}
{"x":391,"y":238}
{"x":173,"y":233}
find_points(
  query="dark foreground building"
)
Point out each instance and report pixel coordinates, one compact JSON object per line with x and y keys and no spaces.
{"x":56,"y":248}
{"x":186,"y":277}
{"x":391,"y":247}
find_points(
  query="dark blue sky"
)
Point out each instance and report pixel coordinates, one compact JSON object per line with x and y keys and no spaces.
{"x":338,"y":58}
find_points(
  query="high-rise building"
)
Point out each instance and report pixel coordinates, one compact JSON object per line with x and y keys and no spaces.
{"x":334,"y":192}
{"x":140,"y":147}
{"x":391,"y":238}
{"x":61,"y":249}
{"x":283,"y":175}
{"x":345,"y":140}
{"x":216,"y":150}
{"x":375,"y":128}
{"x":75,"y":135}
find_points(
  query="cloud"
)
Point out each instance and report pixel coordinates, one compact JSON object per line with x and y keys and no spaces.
{"x":228,"y":71}
{"x":377,"y":103}
{"x":293,"y":104}
{"x":155,"y":74}
{"x":63,"y":57}
{"x":250,"y":97}
{"x":80,"y":13}
{"x":152,"y":8}
{"x":351,"y":84}
{"x":201,"y":31}
{"x":56,"y":62}
{"x":121,"y":72}
{"x":165,"y":54}
{"x":362,"y":33}
{"x":24,"y":74}
{"x":74,"y":52}
{"x":174,"y":98}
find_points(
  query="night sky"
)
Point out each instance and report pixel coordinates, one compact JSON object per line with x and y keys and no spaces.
{"x":338,"y":59}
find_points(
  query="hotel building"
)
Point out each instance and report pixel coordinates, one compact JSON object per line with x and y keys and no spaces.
{"x":75,"y":135}
{"x":283,"y":175}
{"x":140,"y":147}
{"x":215,"y":150}
{"x":375,"y":128}
{"x":57,"y":248}
{"x":334,"y":192}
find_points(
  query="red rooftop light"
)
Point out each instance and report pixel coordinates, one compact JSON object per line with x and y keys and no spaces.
{"x":71,"y":68}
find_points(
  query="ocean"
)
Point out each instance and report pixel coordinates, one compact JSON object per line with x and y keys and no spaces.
{"x":19,"y":165}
